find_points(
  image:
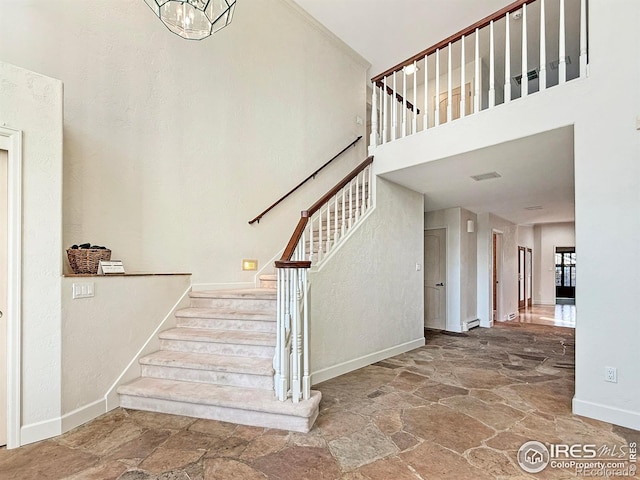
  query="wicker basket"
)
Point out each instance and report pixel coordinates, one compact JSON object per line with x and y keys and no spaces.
{"x":87,"y":260}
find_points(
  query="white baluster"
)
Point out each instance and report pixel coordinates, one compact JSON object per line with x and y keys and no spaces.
{"x":562,"y":61}
{"x":364,"y":194}
{"x":385,"y":113}
{"x":463,"y":80}
{"x":425,"y":113}
{"x":492,"y":68}
{"x":383,"y":95}
{"x":507,"y":62}
{"x":476,"y":99}
{"x":394,"y":110}
{"x":357,"y":198}
{"x":583,"y":38}
{"x":336,"y":234}
{"x":542,"y":73}
{"x":524,"y":81}
{"x":373,"y":139}
{"x":449,"y":87}
{"x":350,"y":204}
{"x":344,"y":212}
{"x":437,"y":96}
{"x":404,"y":103}
{"x":277,"y":358}
{"x":328,"y":228}
{"x":370,"y":183}
{"x":414,"y":121}
{"x":320,"y":236}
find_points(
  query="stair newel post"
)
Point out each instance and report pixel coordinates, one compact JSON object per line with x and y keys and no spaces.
{"x":524,"y":80}
{"x":583,"y":39}
{"x":562,"y":59}
{"x":437,"y":96}
{"x":449,"y":85}
{"x":306,"y":378}
{"x":296,"y":338}
{"x":463,"y":80}
{"x":507,"y":61}
{"x":492,"y":68}
{"x":373,"y":139}
{"x":281,"y":357}
{"x":414,"y":121}
{"x":385,"y":112}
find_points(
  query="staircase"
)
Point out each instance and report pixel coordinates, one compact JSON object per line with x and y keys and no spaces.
{"x":218,"y":364}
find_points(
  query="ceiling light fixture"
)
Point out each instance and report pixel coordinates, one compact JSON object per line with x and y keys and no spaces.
{"x":193,"y":19}
{"x":410,"y":69}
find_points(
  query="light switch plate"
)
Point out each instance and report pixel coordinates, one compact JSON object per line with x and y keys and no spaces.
{"x":83,"y":290}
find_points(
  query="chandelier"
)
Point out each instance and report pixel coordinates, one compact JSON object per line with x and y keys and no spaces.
{"x":193,"y":19}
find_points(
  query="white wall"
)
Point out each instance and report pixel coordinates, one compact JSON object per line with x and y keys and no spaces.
{"x":547,"y":237}
{"x":171,"y":145}
{"x":604,"y":114}
{"x":103,"y":334}
{"x":461,"y":264}
{"x":33,"y":103}
{"x":367,"y":301}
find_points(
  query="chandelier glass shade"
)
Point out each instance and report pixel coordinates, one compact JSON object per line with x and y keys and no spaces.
{"x":193,"y":19}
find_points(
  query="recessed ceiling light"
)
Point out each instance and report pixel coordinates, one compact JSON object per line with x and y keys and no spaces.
{"x":486,"y":176}
{"x":534,"y":207}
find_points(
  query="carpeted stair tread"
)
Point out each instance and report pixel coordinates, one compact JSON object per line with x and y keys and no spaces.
{"x":224,"y":314}
{"x":203,"y":361}
{"x":248,"y":293}
{"x":219,"y":336}
{"x":253,"y":399}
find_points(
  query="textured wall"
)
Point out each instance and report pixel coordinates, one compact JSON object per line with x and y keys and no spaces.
{"x":369,"y":297}
{"x":171,"y":146}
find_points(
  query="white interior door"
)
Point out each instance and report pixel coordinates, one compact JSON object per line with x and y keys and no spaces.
{"x":3,"y":295}
{"x":435,"y":276}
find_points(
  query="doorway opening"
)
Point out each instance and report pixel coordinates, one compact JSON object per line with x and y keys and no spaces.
{"x":496,"y":276}
{"x":565,"y":262}
{"x":435,"y":276}
{"x":4,"y":280}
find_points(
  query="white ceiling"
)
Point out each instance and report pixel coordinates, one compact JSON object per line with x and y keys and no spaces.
{"x":387,"y":32}
{"x":530,"y":176}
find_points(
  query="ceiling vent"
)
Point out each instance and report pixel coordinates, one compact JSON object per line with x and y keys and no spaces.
{"x":486,"y":176}
{"x":534,"y":207}
{"x":531,"y":75}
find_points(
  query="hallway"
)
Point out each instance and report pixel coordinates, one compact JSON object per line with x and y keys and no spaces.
{"x":458,"y":408}
{"x":550,"y":315}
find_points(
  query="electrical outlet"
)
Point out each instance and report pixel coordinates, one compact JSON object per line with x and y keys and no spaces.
{"x":611,"y":374}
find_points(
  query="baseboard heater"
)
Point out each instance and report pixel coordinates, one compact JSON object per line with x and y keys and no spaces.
{"x":469,"y":324}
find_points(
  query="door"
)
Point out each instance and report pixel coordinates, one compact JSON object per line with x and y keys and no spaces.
{"x":522,"y":293}
{"x":455,"y":105}
{"x":435,"y":275}
{"x":497,"y":272}
{"x":4,"y":224}
{"x":565,"y":272}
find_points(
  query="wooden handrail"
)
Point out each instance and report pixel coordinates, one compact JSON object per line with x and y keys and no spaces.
{"x":285,"y":261}
{"x":259,"y":217}
{"x":399,"y":98}
{"x":455,"y":37}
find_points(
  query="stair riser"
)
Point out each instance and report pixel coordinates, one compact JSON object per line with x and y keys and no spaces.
{"x":224,"y":414}
{"x":235,"y":325}
{"x":218,"y":348}
{"x":269,"y":284}
{"x":247,"y":304}
{"x":208,"y":376}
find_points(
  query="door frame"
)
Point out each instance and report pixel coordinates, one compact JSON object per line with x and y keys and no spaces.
{"x":11,"y":141}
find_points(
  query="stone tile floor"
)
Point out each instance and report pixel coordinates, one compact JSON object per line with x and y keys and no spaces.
{"x":458,"y":408}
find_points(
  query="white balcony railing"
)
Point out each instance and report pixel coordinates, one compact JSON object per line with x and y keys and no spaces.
{"x":526,"y":47}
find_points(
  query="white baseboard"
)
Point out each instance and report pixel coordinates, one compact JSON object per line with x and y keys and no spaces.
{"x":83,"y":414}
{"x":606,"y":413}
{"x":40,"y":431}
{"x":351,"y":365}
